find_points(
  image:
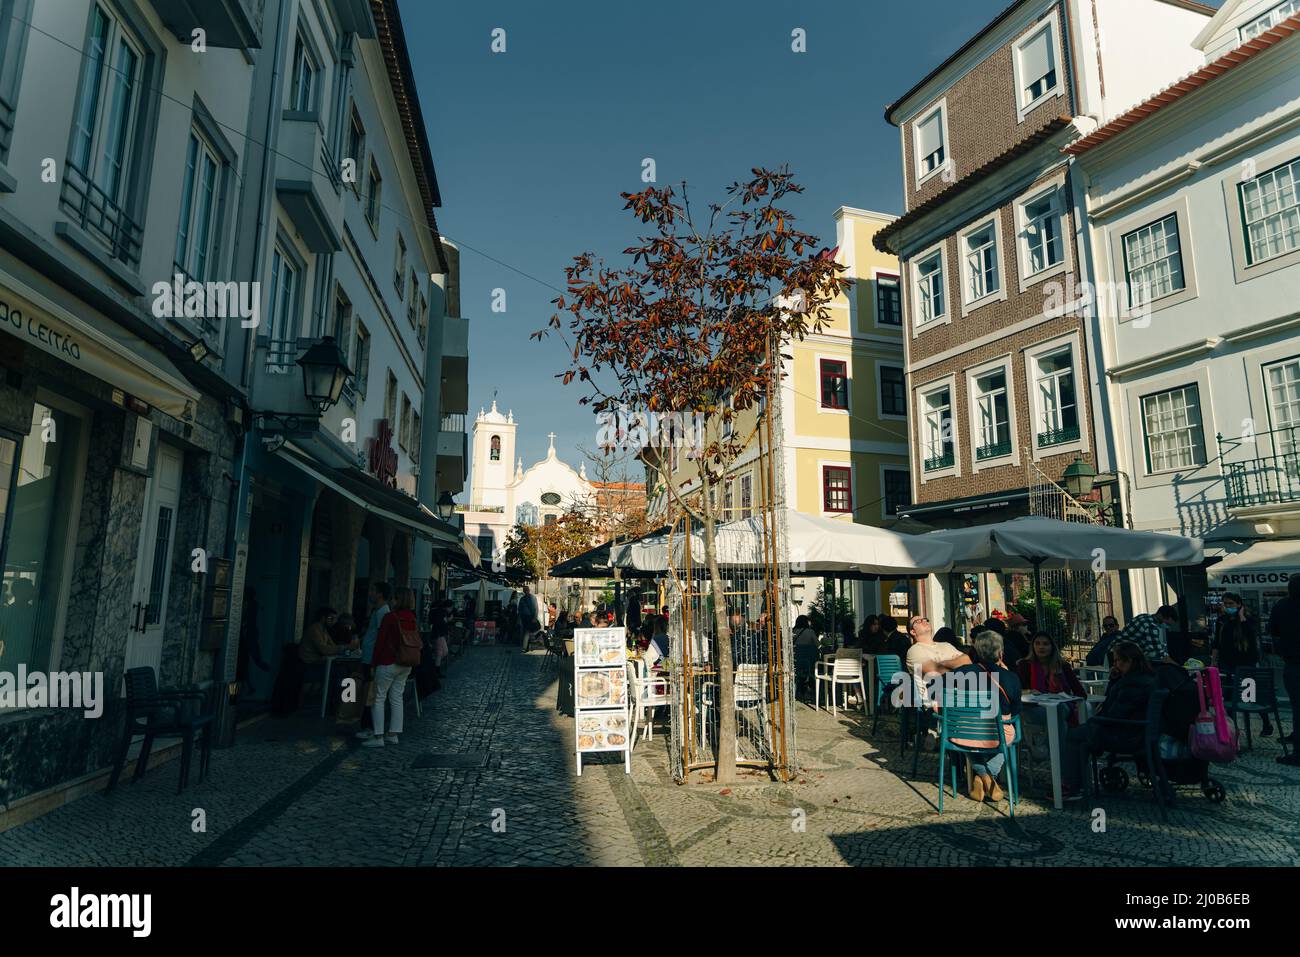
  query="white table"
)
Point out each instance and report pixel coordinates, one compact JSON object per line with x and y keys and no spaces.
{"x":1054,"y":723}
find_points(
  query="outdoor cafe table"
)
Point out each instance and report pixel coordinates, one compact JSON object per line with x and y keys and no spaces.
{"x":1052,"y":704}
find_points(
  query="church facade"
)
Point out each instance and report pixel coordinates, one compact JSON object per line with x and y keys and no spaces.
{"x":503,"y":493}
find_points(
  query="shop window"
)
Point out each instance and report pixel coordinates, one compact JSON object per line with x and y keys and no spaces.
{"x":39,"y":476}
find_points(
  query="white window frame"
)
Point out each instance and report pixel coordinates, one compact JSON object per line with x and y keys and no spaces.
{"x":94,"y":135}
{"x":1081,"y":392}
{"x":391,"y":388}
{"x":1134,"y":390}
{"x":1280,"y":445}
{"x":1293,"y":169}
{"x":376,"y":207}
{"x":822,"y":466}
{"x":923,"y":177}
{"x":1148,"y":460}
{"x":1054,"y":190}
{"x":1267,"y":20}
{"x":399,"y":267}
{"x":914,"y":291}
{"x":921,"y":394}
{"x":1116,"y":234}
{"x":184,"y":251}
{"x":1052,"y":23}
{"x":280,"y":325}
{"x":1179,"y":254}
{"x":745,"y":481}
{"x":303,"y":42}
{"x":968,"y":305}
{"x":361,"y":358}
{"x":1004,"y":365}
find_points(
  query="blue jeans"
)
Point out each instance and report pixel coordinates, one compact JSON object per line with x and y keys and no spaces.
{"x":992,"y":764}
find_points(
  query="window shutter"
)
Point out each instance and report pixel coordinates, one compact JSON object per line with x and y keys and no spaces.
{"x":1036,"y":58}
{"x":931,"y":134}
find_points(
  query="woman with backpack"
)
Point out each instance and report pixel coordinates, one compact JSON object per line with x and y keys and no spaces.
{"x":397,"y":650}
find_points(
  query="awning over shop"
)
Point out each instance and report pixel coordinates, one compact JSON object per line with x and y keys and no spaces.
{"x":1261,"y":562}
{"x":109,"y":353}
{"x":375,"y":497}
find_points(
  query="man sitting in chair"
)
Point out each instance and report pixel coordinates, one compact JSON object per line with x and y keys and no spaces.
{"x":927,"y":656}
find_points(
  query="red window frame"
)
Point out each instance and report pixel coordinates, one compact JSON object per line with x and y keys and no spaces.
{"x":835,"y":496}
{"x":835,"y":399}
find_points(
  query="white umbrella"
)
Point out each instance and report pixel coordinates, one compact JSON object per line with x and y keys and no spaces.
{"x":1034,"y":543}
{"x":1022,"y":544}
{"x":813,"y":544}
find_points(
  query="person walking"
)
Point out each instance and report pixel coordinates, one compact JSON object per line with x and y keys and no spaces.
{"x":1236,"y":645}
{"x":398,"y":631}
{"x":529,"y":620}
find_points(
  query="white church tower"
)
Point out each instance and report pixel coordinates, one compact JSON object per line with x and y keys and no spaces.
{"x":493,"y":458}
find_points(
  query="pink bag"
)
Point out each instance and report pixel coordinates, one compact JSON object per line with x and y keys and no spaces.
{"x":1210,"y":738}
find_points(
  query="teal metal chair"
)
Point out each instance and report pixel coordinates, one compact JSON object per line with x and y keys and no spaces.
{"x":1263,"y":695}
{"x":886,"y":667}
{"x":967,"y":717}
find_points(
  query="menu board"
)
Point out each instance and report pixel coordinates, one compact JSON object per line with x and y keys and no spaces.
{"x":601,"y":693}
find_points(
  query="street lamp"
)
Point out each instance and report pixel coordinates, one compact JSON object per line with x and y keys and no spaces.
{"x":445,"y":506}
{"x":324,"y":371}
{"x":1079,"y":477}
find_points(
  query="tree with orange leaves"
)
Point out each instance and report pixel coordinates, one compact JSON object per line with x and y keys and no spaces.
{"x":690,"y":325}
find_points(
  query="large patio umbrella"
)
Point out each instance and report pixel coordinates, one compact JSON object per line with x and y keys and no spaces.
{"x":1032,"y":543}
{"x":813,"y":544}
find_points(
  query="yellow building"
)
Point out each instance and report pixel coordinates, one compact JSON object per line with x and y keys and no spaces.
{"x":843,"y":414}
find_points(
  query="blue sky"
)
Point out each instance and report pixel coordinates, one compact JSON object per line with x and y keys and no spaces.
{"x":534,"y":145}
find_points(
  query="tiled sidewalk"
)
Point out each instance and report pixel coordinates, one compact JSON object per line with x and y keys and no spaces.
{"x":301,"y":793}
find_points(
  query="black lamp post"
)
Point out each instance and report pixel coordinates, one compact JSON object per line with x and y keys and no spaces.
{"x":445,"y":506}
{"x":324,"y":371}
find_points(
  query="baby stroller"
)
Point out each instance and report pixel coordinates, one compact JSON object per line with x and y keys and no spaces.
{"x":1162,"y":762}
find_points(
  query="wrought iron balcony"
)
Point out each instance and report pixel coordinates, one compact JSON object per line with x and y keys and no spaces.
{"x":944,"y":461}
{"x":1271,"y":478}
{"x":92,"y":209}
{"x":1061,"y":436}
{"x":996,"y":450}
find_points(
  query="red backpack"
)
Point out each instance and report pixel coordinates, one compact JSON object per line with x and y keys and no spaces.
{"x":408,"y":642}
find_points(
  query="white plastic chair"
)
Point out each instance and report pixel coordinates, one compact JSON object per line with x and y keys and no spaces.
{"x":645,"y":693}
{"x":845,"y":670}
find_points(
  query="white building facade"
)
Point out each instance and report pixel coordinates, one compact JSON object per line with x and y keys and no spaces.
{"x":1193,"y":208}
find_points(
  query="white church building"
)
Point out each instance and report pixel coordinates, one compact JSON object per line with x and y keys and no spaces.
{"x":503,"y":493}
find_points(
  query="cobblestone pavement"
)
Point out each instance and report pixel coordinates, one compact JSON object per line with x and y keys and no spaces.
{"x":300,"y":793}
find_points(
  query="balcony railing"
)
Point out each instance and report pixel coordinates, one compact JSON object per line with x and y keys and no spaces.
{"x":1061,"y":436}
{"x":92,"y":210}
{"x":944,"y":461}
{"x":453,"y":423}
{"x":280,"y":354}
{"x":996,"y":450}
{"x":1270,"y":479}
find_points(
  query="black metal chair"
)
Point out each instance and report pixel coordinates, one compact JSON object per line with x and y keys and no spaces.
{"x":163,"y":713}
{"x":1259,"y":685}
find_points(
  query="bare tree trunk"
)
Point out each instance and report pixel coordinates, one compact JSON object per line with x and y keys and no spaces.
{"x":726,"y":744}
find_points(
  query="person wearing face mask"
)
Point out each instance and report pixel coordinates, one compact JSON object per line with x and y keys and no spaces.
{"x":1236,"y":645}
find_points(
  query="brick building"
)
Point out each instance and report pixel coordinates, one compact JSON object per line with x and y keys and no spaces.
{"x":1002,"y":375}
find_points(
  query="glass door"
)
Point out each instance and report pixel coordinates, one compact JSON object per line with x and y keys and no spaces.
{"x":154,"y":561}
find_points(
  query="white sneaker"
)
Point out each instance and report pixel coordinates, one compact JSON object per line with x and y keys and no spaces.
{"x":390,"y":739}
{"x":365,"y":733}
{"x":376,"y":741}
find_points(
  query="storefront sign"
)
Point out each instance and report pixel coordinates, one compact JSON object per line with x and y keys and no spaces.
{"x":1265,"y":576}
{"x":383,"y":460}
{"x":601,"y":693}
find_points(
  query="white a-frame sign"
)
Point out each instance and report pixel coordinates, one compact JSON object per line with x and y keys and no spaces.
{"x":600,"y":693}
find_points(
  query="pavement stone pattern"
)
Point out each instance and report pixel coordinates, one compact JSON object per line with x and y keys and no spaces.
{"x":300,"y":792}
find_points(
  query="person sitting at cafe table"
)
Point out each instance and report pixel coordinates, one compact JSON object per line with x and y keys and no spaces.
{"x":870,"y":638}
{"x":1132,"y":680}
{"x":897,"y":640}
{"x":1099,"y":654}
{"x":988,"y":647}
{"x":316,"y":644}
{"x":1046,"y":672}
{"x":658,"y":647}
{"x":927,"y":656}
